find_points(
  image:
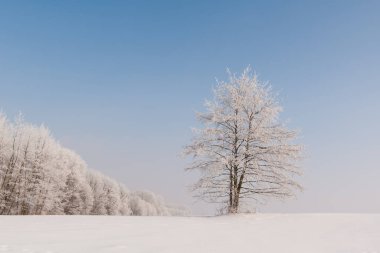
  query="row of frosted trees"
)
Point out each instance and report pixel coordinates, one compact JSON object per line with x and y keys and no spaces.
{"x":39,"y":176}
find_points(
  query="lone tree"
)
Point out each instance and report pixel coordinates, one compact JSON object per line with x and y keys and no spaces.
{"x":242,"y":151}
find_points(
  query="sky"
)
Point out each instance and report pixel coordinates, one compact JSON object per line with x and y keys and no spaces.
{"x":119,"y":82}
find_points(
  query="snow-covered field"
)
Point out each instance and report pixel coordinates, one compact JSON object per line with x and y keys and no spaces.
{"x":261,"y":233}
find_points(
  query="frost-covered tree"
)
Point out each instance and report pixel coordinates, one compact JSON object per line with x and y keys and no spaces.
{"x":27,"y":173}
{"x":8,"y":147}
{"x":147,"y":203}
{"x":112,"y":193}
{"x":95,"y":180}
{"x":77,"y":197}
{"x":243,"y":152}
{"x":124,"y":208}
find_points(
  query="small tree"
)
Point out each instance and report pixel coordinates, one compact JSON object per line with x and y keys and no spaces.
{"x":242,"y":151}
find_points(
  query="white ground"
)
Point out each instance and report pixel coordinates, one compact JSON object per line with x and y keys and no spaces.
{"x":261,"y":233}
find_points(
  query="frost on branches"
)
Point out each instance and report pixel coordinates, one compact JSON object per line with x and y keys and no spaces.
{"x":39,"y":176}
{"x":243,"y":152}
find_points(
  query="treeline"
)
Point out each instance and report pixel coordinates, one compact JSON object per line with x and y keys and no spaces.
{"x":38,"y":176}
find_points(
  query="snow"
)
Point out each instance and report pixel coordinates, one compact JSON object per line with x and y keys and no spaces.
{"x":262,"y":233}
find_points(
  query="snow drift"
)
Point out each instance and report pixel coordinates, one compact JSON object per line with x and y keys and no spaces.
{"x":263,"y":233}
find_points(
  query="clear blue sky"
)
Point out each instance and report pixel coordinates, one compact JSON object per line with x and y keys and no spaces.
{"x":119,"y":82}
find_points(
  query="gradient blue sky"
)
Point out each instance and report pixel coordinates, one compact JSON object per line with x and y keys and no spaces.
{"x":119,"y":82}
